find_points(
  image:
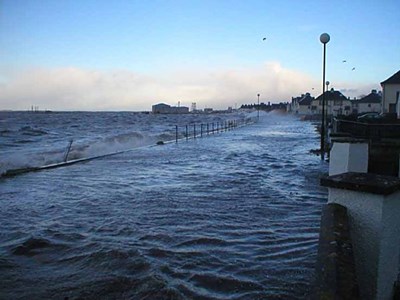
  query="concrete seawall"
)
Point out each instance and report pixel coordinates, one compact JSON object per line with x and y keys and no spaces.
{"x":359,"y":242}
{"x":335,"y":270}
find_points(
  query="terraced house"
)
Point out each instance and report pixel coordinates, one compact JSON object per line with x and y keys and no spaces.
{"x":336,"y":104}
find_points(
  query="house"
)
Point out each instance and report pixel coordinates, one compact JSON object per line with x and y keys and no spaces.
{"x":301,"y":105}
{"x":163,"y":108}
{"x":304,"y":104}
{"x":293,"y":107}
{"x":335,"y":104}
{"x":391,"y":93}
{"x":316,"y":106}
{"x":369,"y":103}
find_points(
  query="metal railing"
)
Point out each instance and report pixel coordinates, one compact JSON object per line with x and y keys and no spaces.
{"x":195,"y":130}
{"x":191,"y":132}
{"x":367,"y":130}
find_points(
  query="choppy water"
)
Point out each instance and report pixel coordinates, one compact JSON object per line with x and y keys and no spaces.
{"x":227,"y":216}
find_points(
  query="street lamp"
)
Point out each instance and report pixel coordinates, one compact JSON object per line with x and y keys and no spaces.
{"x":324,"y":38}
{"x":258,"y":107}
{"x":327,"y":105}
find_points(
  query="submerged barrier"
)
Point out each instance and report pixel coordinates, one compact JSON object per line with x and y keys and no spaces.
{"x":192,"y":130}
{"x":189,"y":133}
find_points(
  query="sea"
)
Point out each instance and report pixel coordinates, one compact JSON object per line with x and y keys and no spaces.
{"x":227,"y":214}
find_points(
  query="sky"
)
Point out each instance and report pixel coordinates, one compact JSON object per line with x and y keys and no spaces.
{"x":128,"y":55}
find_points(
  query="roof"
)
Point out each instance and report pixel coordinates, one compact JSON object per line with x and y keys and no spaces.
{"x":161,"y":105}
{"x":306,"y":100}
{"x":332,"y":95}
{"x":394,"y":79}
{"x":373,"y":97}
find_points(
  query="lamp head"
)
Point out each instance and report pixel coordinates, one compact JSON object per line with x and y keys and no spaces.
{"x":324,"y":38}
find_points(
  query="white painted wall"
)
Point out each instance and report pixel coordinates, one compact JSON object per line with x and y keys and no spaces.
{"x":348,"y":157}
{"x":389,"y":95}
{"x":304,"y":110}
{"x":369,"y":107}
{"x":375,"y":233}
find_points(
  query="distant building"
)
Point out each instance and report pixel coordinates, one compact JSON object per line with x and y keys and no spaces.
{"x":335,"y":104}
{"x":391,"y":93}
{"x":304,"y":104}
{"x":293,"y":106}
{"x":370,"y":103}
{"x":162,"y":108}
{"x":301,"y":105}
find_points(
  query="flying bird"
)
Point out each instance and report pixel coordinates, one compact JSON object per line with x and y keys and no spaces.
{"x":344,"y":61}
{"x":353,"y":68}
{"x":264,"y":39}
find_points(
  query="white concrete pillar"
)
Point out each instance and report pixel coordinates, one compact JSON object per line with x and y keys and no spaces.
{"x":373,"y":205}
{"x":348,"y":155}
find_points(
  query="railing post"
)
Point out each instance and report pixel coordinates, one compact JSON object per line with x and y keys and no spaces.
{"x":187,"y":133}
{"x":68,"y":150}
{"x":176,"y":133}
{"x":194,"y":130}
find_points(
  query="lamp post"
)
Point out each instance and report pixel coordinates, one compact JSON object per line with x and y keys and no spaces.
{"x":327,"y":105}
{"x":258,"y":107}
{"x":324,"y":38}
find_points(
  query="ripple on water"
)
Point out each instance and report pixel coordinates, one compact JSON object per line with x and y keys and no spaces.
{"x":34,"y":246}
{"x":230,"y":216}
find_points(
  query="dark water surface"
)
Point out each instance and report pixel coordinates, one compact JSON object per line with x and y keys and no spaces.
{"x":228,"y":216}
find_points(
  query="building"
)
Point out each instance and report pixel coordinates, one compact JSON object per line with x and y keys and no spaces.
{"x":335,"y":104}
{"x":391,"y":93}
{"x":304,"y":104}
{"x":370,"y":103}
{"x":301,"y":105}
{"x":162,"y":108}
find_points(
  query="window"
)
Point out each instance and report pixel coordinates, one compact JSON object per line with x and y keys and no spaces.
{"x":369,"y":105}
